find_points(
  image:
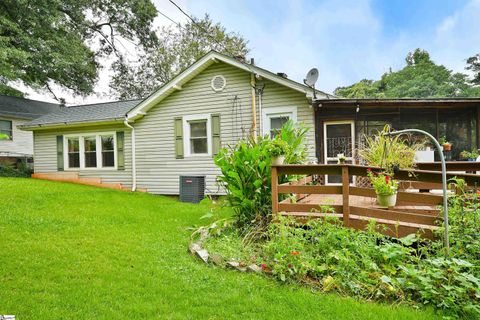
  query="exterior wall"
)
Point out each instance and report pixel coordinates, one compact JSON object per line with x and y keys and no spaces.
{"x":157,"y":168}
{"x":45,"y":154}
{"x":22,"y":143}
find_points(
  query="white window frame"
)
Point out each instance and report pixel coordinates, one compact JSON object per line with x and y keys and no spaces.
{"x":186,"y":134}
{"x":10,"y":137}
{"x":275,"y":112}
{"x":98,"y":150}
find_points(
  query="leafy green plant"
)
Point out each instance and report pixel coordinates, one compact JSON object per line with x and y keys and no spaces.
{"x":4,"y":136}
{"x":277,"y":147}
{"x":469,"y":154}
{"x":443,"y":140}
{"x":388,"y":152}
{"x":383,"y":183}
{"x":246,"y":172}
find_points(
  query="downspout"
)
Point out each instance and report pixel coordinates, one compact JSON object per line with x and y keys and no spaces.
{"x":254,"y":110}
{"x":134,"y":167}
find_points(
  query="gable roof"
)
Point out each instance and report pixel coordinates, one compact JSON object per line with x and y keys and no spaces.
{"x":82,"y":114}
{"x":203,"y":63}
{"x":14,"y":107}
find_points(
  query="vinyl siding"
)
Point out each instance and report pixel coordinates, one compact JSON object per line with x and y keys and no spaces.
{"x":157,"y":168}
{"x":22,"y":142}
{"x":45,"y":154}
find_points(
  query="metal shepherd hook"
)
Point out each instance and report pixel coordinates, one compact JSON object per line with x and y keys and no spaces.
{"x":444,"y":178}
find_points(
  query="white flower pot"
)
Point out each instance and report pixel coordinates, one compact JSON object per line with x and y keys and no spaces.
{"x":278,"y":161}
{"x":387,"y":200}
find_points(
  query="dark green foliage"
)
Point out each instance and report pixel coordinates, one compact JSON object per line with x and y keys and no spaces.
{"x":420,"y":78}
{"x":369,"y":265}
{"x":177,"y":48}
{"x":473,"y":64}
{"x":22,"y":171}
{"x":50,"y":42}
{"x":246,"y":173}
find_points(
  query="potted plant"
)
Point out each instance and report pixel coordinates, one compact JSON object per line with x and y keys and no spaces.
{"x":385,"y":187}
{"x":447,"y":146}
{"x":469,"y":156}
{"x":341,"y":158}
{"x":278,"y":149}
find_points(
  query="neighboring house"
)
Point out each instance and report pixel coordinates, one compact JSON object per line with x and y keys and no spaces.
{"x":176,"y":131}
{"x":14,"y":112}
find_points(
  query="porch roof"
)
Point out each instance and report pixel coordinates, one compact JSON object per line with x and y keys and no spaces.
{"x":398,"y":102}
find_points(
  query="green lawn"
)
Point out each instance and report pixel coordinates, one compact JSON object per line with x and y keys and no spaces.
{"x":78,"y":252}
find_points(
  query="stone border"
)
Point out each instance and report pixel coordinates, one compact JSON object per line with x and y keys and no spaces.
{"x":196,"y":248}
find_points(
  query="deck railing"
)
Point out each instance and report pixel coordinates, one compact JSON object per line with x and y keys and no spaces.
{"x":415,"y":210}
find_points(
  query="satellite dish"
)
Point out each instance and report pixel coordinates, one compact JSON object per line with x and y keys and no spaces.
{"x":311,"y":78}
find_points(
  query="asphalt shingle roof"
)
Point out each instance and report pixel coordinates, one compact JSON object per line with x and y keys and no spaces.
{"x":115,"y":110}
{"x":25,"y":108}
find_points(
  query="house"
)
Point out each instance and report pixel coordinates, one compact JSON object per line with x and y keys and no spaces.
{"x":148,"y":144}
{"x":342,"y":124}
{"x":13,"y":113}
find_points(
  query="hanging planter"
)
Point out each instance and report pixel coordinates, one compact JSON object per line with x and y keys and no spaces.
{"x":385,"y":187}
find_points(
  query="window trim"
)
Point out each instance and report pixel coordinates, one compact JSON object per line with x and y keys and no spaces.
{"x":11,"y":129}
{"x":98,"y":150}
{"x":268,"y":113}
{"x":186,"y":131}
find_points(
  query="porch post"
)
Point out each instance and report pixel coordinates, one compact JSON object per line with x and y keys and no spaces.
{"x":274,"y":190}
{"x":346,"y":195}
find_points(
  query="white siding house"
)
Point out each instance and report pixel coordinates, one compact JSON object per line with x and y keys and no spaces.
{"x":175,"y":131}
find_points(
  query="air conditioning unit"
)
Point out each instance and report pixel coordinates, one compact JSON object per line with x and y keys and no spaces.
{"x":192,"y":188}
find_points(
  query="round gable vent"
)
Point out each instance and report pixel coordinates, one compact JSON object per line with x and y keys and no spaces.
{"x":218,"y":83}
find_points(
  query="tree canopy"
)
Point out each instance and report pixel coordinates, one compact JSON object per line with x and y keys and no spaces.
{"x":47,"y":42}
{"x":177,"y":48}
{"x":420,"y":78}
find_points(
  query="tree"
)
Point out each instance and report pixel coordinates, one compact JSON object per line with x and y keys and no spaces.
{"x":473,"y":64}
{"x":177,"y":48}
{"x":420,"y":78}
{"x":46,"y":42}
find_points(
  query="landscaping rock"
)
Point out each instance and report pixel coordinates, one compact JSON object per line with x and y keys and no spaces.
{"x":254,"y":268}
{"x":217,"y":259}
{"x":194,"y":247}
{"x":233,"y":264}
{"x":202,"y":254}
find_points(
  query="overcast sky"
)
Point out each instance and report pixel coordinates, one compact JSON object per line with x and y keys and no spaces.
{"x":347,"y":40}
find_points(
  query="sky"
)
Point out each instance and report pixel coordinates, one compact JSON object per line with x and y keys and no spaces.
{"x":347,"y":40}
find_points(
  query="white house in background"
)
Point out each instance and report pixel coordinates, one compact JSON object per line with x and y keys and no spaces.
{"x":147,"y":144}
{"x":14,"y":112}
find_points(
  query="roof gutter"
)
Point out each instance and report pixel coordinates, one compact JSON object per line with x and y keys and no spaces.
{"x":134,"y":165}
{"x":27,"y":127}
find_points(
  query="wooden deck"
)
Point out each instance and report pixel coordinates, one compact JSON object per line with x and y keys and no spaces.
{"x":415,"y":211}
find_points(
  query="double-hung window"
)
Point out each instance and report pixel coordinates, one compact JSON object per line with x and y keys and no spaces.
{"x":6,"y":128}
{"x":73,"y":152}
{"x":274,"y":118}
{"x":90,"y":151}
{"x":197,"y":135}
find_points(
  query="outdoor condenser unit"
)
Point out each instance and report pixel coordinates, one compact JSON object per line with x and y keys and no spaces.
{"x":192,"y":188}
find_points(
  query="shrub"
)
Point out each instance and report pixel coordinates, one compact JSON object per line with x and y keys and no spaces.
{"x":246,"y":172}
{"x":20,"y":172}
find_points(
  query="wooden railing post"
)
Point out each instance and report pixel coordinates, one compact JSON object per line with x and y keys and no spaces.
{"x":274,"y":190}
{"x":346,"y":195}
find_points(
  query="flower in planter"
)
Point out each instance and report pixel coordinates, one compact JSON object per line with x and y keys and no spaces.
{"x":383,"y":183}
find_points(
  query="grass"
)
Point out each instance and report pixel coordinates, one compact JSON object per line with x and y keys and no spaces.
{"x":78,"y":252}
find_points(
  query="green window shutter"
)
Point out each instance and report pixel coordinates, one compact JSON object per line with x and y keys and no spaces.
{"x":178,"y":122}
{"x":60,"y":160}
{"x":216,"y":142}
{"x":120,"y":150}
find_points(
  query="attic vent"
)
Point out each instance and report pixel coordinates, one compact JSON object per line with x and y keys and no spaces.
{"x":218,"y":83}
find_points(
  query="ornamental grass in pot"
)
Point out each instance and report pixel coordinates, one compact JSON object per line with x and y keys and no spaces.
{"x":385,"y":187}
